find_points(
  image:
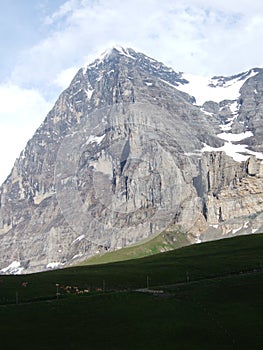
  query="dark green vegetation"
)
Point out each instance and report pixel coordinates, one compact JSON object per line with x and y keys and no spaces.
{"x":212,"y":300}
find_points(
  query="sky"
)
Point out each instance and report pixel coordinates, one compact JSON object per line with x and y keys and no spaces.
{"x":44,"y":42}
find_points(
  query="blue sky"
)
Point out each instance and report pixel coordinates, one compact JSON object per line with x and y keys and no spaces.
{"x":44,"y":42}
{"x":22,"y":27}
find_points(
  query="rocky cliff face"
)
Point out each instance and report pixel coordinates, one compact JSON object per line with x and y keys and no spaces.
{"x":125,"y":154}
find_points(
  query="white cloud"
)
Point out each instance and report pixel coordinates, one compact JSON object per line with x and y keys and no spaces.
{"x":21,"y":105}
{"x":21,"y":112}
{"x":63,"y":10}
{"x":12,"y":141}
{"x":196,"y":36}
{"x":64,"y":77}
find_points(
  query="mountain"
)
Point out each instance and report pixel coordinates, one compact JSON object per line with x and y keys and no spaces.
{"x":132,"y":148}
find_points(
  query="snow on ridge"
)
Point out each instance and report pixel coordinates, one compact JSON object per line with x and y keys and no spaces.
{"x":95,"y":61}
{"x":121,"y":50}
{"x":167,"y":82}
{"x":198,"y":87}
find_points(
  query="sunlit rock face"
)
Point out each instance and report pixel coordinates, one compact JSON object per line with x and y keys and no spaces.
{"x":130,"y":149}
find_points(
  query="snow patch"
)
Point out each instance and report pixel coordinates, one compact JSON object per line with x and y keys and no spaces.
{"x":72,"y":134}
{"x":246,"y":224}
{"x":236,"y":230}
{"x":166,"y":82}
{"x":89,"y":93}
{"x":100,"y":77}
{"x":200,"y":87}
{"x":207,"y":113}
{"x":235,"y":137}
{"x":230,"y":149}
{"x":105,"y":54}
{"x":96,"y":139}
{"x":234,"y":107}
{"x":53,"y":265}
{"x":122,"y":50}
{"x":228,"y":125}
{"x":215,"y":226}
{"x":238,"y":152}
{"x":14,"y":268}
{"x":77,"y":256}
{"x":258,"y":155}
{"x":78,"y":239}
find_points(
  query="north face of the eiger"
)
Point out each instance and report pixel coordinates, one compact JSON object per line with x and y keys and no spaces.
{"x":132,"y":148}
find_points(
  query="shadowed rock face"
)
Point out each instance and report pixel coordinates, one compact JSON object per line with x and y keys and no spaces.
{"x":119,"y":158}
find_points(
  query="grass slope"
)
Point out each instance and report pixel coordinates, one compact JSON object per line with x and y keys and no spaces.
{"x":163,"y":242}
{"x":219,"y":308}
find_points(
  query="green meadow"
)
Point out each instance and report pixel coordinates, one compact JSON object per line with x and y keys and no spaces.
{"x":209,"y":296}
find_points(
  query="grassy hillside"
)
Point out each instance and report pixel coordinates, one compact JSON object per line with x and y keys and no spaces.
{"x":212,"y":299}
{"x":163,"y":242}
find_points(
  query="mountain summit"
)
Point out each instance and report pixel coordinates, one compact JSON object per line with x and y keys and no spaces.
{"x":132,"y":148}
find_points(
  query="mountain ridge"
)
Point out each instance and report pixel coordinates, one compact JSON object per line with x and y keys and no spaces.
{"x":122,"y":156}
